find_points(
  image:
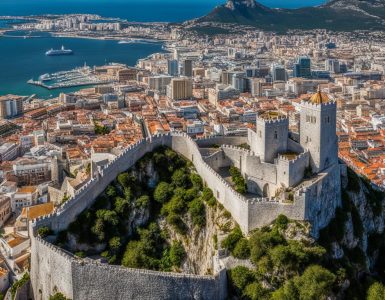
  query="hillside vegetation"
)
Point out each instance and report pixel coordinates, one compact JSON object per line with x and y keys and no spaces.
{"x":347,"y":262}
{"x":148,"y":216}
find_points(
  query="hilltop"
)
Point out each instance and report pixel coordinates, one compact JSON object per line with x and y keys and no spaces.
{"x":337,"y":15}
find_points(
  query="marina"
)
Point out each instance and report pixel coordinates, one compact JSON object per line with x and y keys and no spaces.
{"x":67,"y":79}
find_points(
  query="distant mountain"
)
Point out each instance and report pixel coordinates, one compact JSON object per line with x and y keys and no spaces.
{"x":338,"y":15}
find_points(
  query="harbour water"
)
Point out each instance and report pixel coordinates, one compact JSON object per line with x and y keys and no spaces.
{"x":23,"y":59}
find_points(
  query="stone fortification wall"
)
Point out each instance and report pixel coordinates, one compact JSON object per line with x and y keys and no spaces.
{"x":221,"y":140}
{"x":315,"y":201}
{"x":53,"y":270}
{"x":290,"y":172}
{"x":259,"y":175}
{"x":322,"y":198}
{"x":124,"y":283}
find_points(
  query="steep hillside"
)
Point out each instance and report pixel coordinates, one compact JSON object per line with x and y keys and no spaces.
{"x":157,"y":216}
{"x":345,"y":263}
{"x":338,"y":15}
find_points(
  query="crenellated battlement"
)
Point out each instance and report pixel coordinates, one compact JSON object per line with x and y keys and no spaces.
{"x":298,"y":157}
{"x":316,"y":106}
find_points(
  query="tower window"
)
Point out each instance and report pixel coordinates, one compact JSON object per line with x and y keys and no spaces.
{"x":260,"y":134}
{"x":276,"y":134}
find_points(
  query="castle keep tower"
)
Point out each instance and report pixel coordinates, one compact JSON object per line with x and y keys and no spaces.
{"x":318,"y":131}
{"x":271,"y":136}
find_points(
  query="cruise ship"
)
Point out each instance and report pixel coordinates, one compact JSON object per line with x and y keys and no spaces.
{"x":61,"y":51}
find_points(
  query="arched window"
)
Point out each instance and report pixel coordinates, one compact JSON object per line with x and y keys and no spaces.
{"x":276,"y":134}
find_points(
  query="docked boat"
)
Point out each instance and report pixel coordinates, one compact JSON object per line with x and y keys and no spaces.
{"x":62,"y":51}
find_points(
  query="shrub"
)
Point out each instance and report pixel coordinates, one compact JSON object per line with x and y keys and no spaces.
{"x":197,"y":212}
{"x":281,"y":222}
{"x":121,"y":206}
{"x":115,"y":243}
{"x":191,"y":194}
{"x":177,"y":254}
{"x":255,"y":291}
{"x":179,"y":178}
{"x":239,"y":181}
{"x":376,"y":292}
{"x":241,"y":249}
{"x":239,"y":278}
{"x":262,"y":241}
{"x":18,"y":284}
{"x":134,"y":255}
{"x":44,"y":231}
{"x":124,"y":179}
{"x":162,"y":192}
{"x":196,"y":181}
{"x":111,"y":191}
{"x":207,"y":194}
{"x":58,"y":296}
{"x":143,"y":201}
{"x":177,"y":223}
{"x":232,"y":239}
{"x":80,"y":254}
{"x":315,"y":283}
{"x":176,"y":205}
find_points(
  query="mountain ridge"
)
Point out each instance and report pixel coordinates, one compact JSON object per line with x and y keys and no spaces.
{"x":336,"y":15}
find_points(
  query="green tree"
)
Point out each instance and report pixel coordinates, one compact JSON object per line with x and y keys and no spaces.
{"x":261,"y":241}
{"x":115,"y":243}
{"x":134,"y":255}
{"x":111,"y":191}
{"x":180,"y":178}
{"x":241,"y":249}
{"x":196,"y":180}
{"x":376,"y":292}
{"x":121,"y":205}
{"x":162,"y":192}
{"x":286,"y":292}
{"x":255,"y":291}
{"x":143,"y":201}
{"x":240,"y":277}
{"x":315,"y":283}
{"x":124,"y":179}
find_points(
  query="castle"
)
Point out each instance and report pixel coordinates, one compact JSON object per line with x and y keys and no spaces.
{"x":278,"y":160}
{"x":286,"y":173}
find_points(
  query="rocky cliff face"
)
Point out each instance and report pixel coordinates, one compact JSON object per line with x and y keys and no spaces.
{"x":355,"y":238}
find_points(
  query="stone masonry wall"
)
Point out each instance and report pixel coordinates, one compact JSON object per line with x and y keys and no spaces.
{"x":52,"y":269}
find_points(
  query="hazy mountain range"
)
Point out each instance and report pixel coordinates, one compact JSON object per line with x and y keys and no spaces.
{"x":338,"y":15}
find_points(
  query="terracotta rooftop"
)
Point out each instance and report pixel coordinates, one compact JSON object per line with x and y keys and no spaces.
{"x":37,"y":211}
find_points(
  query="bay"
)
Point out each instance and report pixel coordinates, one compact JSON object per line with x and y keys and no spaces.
{"x":23,"y":59}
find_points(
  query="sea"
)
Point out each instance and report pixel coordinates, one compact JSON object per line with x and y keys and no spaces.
{"x":23,"y":59}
